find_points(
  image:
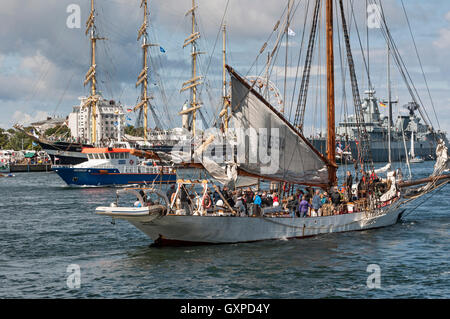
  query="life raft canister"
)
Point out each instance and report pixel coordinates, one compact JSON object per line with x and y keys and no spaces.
{"x":206,"y":202}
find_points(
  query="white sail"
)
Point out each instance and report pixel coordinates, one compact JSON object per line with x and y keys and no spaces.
{"x":383,"y":169}
{"x":278,"y":151}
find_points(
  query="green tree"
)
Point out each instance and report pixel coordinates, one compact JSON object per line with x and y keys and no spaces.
{"x":58,"y":131}
{"x":17,"y":140}
{"x":134,"y":131}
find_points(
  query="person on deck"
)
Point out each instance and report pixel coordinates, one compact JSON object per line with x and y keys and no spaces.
{"x":303,"y":207}
{"x":349,"y":184}
{"x":240,"y":206}
{"x":275,"y":199}
{"x":374,"y":177}
{"x":184,"y":199}
{"x":324,"y":198}
{"x":170,"y":192}
{"x":257,"y":205}
{"x":336,"y":197}
{"x":317,"y":203}
{"x":309,"y":194}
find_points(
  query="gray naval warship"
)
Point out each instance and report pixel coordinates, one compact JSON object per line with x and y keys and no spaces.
{"x":404,"y":129}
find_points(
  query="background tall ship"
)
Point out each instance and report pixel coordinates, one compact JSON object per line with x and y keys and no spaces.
{"x":297,"y":164}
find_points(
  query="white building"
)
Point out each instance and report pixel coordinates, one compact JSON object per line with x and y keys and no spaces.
{"x":110,"y":122}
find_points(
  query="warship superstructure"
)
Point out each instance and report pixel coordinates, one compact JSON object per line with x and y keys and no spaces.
{"x":403,"y":128}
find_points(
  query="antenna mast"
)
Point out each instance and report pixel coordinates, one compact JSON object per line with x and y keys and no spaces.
{"x":195,"y":80}
{"x":143,"y":76}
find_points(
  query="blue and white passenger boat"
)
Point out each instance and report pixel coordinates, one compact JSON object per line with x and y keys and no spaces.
{"x":114,"y":166}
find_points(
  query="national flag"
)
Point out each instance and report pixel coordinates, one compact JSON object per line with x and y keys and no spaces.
{"x":382,"y":104}
{"x":34,"y":133}
{"x":162,"y":49}
{"x":129,"y":110}
{"x":291,"y":32}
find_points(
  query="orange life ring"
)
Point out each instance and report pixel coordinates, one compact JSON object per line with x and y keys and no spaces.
{"x":206,"y":202}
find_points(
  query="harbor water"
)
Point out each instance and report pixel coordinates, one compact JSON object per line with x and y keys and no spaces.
{"x":47,"y":226}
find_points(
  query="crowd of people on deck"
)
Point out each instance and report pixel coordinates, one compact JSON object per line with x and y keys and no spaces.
{"x":299,"y":202}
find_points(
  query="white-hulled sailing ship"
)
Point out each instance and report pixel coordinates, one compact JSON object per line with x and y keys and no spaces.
{"x":187,"y":216}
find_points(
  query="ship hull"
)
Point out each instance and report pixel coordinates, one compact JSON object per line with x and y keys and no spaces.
{"x":109,"y":177}
{"x":194,"y":230}
{"x":64,"y":153}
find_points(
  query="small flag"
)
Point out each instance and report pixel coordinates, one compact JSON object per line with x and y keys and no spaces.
{"x":291,"y":33}
{"x":382,"y":104}
{"x":162,"y":49}
{"x":129,"y":110}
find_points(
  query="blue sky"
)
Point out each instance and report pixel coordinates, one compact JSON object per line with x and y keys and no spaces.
{"x":42,"y":62}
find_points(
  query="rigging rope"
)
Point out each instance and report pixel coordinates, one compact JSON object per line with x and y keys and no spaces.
{"x":301,"y":104}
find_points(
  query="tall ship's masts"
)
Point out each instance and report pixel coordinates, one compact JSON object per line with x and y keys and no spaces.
{"x":195,"y":80}
{"x":143,"y":76}
{"x":91,"y":74}
{"x":331,"y":137}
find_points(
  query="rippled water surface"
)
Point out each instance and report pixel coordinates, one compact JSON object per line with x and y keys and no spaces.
{"x":46,"y":226}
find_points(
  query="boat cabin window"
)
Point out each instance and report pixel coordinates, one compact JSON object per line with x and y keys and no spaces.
{"x":107,"y":155}
{"x":122,"y":155}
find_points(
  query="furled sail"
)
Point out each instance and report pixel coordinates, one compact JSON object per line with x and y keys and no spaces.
{"x":268,"y":145}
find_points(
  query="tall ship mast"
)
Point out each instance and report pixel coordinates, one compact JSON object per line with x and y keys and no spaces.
{"x":189,"y":113}
{"x":96,"y":121}
{"x":144,"y":74}
{"x":105,"y":116}
{"x":92,"y":100}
